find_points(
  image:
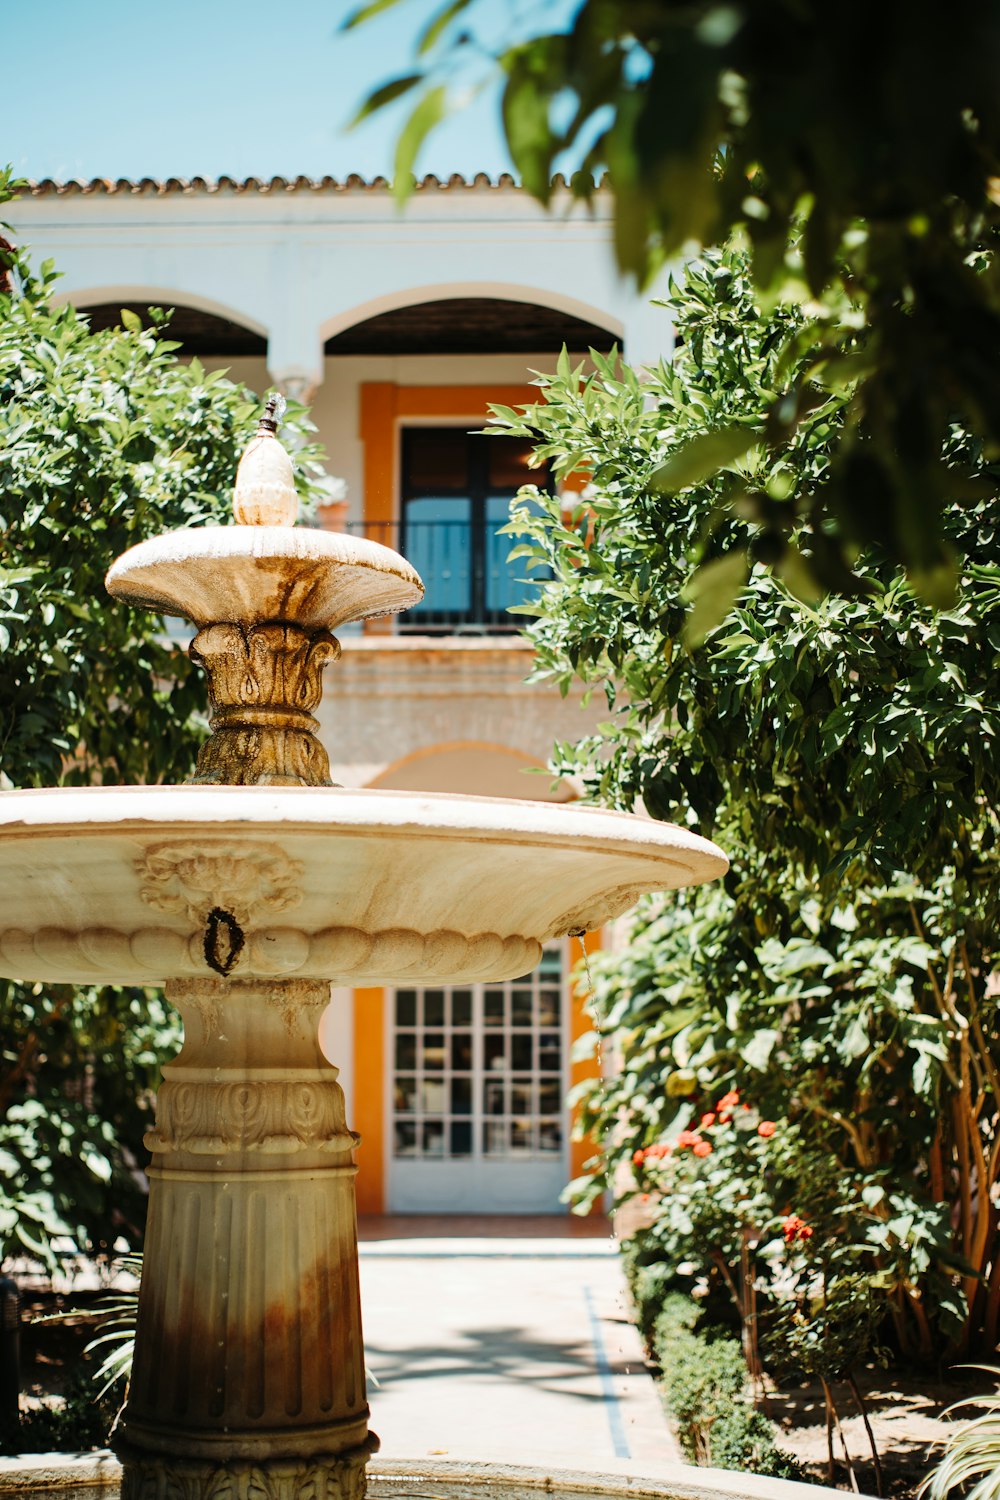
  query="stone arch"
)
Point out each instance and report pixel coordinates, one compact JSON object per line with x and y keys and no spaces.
{"x":526,"y":294}
{"x":473,"y":767}
{"x":201,"y":324}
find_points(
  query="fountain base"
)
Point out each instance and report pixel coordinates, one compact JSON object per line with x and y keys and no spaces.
{"x":321,"y":1477}
{"x":248,"y":1377}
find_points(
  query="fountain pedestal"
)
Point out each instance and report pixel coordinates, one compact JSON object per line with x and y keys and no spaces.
{"x":248,"y":1381}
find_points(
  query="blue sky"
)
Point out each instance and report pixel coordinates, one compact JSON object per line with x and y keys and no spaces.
{"x":135,"y":88}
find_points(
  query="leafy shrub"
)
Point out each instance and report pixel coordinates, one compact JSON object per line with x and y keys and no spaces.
{"x":105,"y":438}
{"x":83,"y":1421}
{"x":705,"y":1388}
{"x":743,"y":1439}
{"x":842,"y":750}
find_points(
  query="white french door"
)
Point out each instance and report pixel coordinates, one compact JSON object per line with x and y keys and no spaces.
{"x":478,"y":1077}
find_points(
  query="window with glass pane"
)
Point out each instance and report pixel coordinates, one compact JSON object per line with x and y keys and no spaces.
{"x":456,"y":492}
{"x":478,"y":1070}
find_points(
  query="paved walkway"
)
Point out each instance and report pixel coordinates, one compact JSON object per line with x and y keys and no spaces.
{"x":506,"y":1340}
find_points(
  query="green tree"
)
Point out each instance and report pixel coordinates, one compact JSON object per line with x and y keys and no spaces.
{"x":105,"y":438}
{"x":843,"y":751}
{"x":876,"y":131}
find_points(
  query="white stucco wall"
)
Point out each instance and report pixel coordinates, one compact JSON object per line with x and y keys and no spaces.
{"x":299,"y":265}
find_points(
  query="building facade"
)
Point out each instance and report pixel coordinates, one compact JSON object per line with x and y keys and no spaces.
{"x":400,"y":329}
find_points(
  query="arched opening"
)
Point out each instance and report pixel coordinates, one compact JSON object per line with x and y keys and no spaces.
{"x":206,"y":334}
{"x":470,"y":325}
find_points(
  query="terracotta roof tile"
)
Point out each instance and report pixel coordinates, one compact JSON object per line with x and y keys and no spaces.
{"x":150,"y":186}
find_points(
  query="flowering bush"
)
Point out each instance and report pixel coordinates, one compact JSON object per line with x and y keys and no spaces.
{"x":843,"y":751}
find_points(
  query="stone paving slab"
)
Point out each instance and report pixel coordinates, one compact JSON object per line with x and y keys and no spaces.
{"x":508,"y":1350}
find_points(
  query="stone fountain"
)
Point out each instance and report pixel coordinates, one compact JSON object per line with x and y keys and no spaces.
{"x":246,"y":893}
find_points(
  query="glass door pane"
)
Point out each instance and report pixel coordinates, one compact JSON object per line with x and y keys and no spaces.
{"x":478,"y":1071}
{"x":437,"y":540}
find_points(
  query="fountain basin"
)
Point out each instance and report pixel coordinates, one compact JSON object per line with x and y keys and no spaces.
{"x":97,"y":1477}
{"x":138,"y":885}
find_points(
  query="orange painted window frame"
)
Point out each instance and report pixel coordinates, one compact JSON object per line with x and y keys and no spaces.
{"x":385,"y":407}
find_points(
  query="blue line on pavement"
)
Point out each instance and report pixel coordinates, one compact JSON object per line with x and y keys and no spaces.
{"x":619,"y":1441}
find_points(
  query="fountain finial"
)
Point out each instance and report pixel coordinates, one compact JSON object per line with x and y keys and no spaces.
{"x":264,"y":494}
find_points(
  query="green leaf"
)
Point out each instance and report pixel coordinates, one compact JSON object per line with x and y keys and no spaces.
{"x":385,"y":95}
{"x":430,"y":111}
{"x":131,"y":320}
{"x":703,"y":457}
{"x":365,"y":13}
{"x":712,"y":591}
{"x":438,"y":23}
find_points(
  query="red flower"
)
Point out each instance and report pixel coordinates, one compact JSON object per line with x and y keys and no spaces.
{"x":707,"y":1120}
{"x":794,"y":1228}
{"x":730,"y":1100}
{"x":703,"y":1148}
{"x":687,"y":1138}
{"x":638,"y":1157}
{"x":766,"y":1129}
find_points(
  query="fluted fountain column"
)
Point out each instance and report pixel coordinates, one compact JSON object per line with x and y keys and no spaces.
{"x":248,"y":1381}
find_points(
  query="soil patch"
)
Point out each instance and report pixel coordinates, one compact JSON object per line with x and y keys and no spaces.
{"x":907,"y":1419}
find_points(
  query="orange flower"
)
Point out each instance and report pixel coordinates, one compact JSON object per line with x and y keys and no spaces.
{"x":703,"y":1148}
{"x":729,"y":1101}
{"x":794,"y":1228}
{"x":638,"y":1157}
{"x":707,"y":1120}
{"x":766,"y":1129}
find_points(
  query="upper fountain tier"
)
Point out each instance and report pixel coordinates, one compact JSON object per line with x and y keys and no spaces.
{"x":264,"y":569}
{"x":266,"y":597}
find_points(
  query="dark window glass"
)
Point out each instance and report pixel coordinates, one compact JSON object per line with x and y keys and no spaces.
{"x":521,"y":1049}
{"x":406,"y":1095}
{"x":494,"y":1053}
{"x":549,"y":1098}
{"x":493,"y":1008}
{"x":520,"y":1099}
{"x":461,"y":1008}
{"x":548,"y":1008}
{"x":493,"y":1097}
{"x":507,"y":464}
{"x":520,"y":1008}
{"x":461,"y":1051}
{"x":461,"y":1096}
{"x":406,"y":1052}
{"x":437,"y":458}
{"x":406,"y":1008}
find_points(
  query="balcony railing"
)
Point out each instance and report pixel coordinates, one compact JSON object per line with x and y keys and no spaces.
{"x":469,"y":583}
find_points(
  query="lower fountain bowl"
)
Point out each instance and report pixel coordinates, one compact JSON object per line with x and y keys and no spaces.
{"x":137,"y":885}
